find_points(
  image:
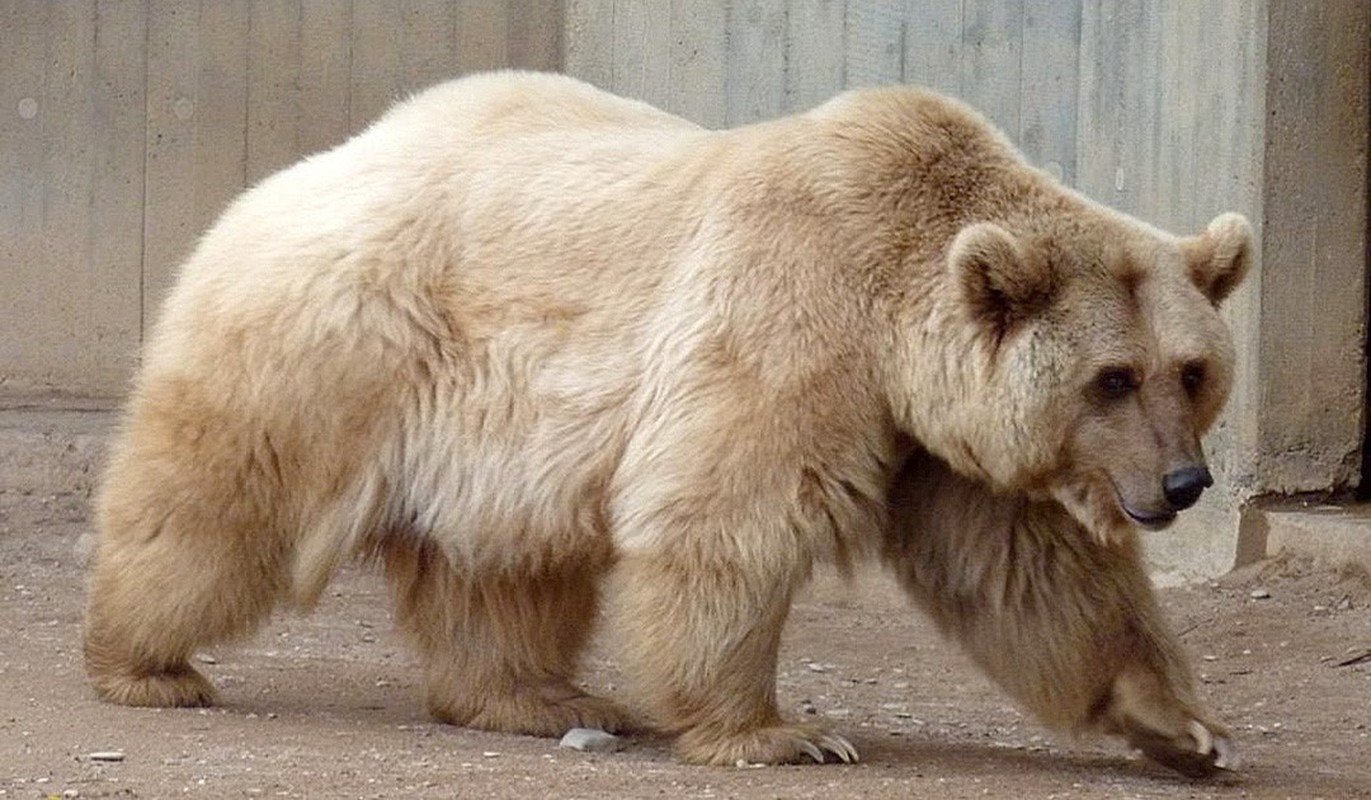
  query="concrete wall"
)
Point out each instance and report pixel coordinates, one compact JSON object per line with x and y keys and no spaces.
{"x":126,"y":126}
{"x":731,"y":63}
{"x":1310,"y":318}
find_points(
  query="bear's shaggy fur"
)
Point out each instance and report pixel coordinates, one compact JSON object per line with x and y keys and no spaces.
{"x":523,"y":340}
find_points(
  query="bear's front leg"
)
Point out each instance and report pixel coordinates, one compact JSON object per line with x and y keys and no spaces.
{"x":702,"y":626}
{"x":1066,"y":624}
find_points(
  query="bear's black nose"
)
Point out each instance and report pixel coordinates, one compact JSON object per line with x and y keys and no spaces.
{"x":1183,"y":487}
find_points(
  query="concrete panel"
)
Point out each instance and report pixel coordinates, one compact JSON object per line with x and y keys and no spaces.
{"x":66,"y":167}
{"x":110,"y":333}
{"x":1313,"y":290}
{"x":218,"y":116}
{"x":933,"y":45}
{"x":535,"y":34}
{"x":589,"y":41}
{"x":699,"y":62}
{"x":195,"y":130}
{"x":816,"y":42}
{"x":1049,"y":75}
{"x":873,"y":42}
{"x":70,"y":195}
{"x":273,"y":86}
{"x":377,"y":62}
{"x":991,"y":60}
{"x":1117,"y":114}
{"x":642,"y":50}
{"x":434,"y":32}
{"x":324,"y":74}
{"x":128,"y":126}
{"x":756,"y":61}
{"x":25,"y":363}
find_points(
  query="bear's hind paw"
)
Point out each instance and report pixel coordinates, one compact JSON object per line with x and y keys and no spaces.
{"x":779,"y":744}
{"x":180,"y":686}
{"x":549,"y":712}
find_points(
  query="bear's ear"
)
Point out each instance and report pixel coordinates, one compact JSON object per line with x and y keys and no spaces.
{"x":1000,"y":282}
{"x":1218,"y":259}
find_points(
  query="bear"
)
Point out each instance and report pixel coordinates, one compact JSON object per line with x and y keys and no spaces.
{"x":544,"y":354}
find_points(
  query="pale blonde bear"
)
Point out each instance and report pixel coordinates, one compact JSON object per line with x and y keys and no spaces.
{"x":522,"y":340}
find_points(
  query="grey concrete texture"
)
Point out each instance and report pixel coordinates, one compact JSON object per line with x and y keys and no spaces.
{"x":53,"y":446}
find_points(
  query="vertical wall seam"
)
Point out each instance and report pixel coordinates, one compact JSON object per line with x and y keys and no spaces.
{"x":143,"y":211}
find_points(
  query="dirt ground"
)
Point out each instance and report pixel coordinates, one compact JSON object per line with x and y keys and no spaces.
{"x":329,"y":705}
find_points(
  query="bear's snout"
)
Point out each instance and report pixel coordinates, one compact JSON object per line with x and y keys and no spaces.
{"x":1182,"y":487}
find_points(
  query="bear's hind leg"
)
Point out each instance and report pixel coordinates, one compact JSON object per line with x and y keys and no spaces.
{"x":177,"y":567}
{"x":1068,"y":625}
{"x":501,"y":652}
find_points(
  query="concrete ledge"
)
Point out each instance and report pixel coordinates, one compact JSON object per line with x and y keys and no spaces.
{"x":1331,"y":534}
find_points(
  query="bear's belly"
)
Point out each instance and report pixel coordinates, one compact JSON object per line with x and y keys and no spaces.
{"x":529,"y":496}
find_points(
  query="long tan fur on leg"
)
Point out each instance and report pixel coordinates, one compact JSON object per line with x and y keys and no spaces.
{"x":1066,"y":624}
{"x":501,"y":651}
{"x":186,"y":558}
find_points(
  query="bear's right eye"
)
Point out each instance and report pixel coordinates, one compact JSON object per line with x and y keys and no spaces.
{"x":1192,"y":377}
{"x":1116,"y":383}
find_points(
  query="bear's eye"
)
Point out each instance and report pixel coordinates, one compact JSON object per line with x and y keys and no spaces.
{"x":1192,"y":377}
{"x":1116,"y":383}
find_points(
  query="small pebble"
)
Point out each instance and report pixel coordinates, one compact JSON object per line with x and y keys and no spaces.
{"x":591,"y":740}
{"x":1259,"y":594}
{"x":106,"y":755}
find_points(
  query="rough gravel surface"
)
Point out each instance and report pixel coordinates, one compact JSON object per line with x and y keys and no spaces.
{"x":328,"y":705}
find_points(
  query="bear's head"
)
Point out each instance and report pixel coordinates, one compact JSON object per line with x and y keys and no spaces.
{"x":1096,"y":356}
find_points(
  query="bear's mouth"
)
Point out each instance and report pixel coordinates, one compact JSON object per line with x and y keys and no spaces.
{"x":1155,"y":521}
{"x":1150,"y":520}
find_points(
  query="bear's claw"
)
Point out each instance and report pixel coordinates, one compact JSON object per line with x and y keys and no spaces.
{"x":1199,"y":753}
{"x":1226,"y":754}
{"x":781,"y":744}
{"x":841,"y":748}
{"x":830,"y":743}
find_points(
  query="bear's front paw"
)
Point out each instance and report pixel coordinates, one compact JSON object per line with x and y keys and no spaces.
{"x":1199,"y":751}
{"x":777,"y":744}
